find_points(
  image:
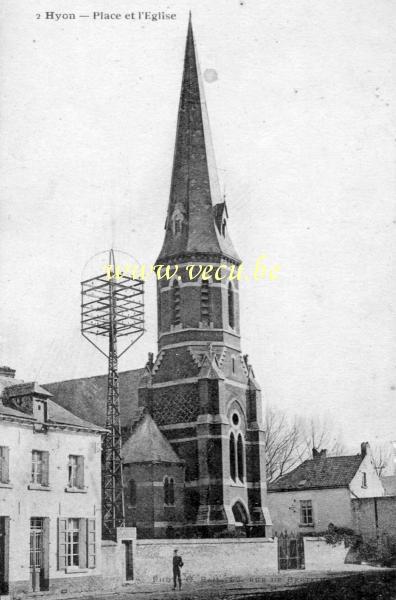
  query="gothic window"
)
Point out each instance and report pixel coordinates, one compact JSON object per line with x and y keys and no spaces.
{"x":231,"y":308}
{"x":223,"y":227}
{"x":175,"y":303}
{"x":232,"y":457}
{"x":237,"y":449}
{"x":132,"y":492}
{"x":240,"y":454}
{"x":169,"y":491}
{"x":233,"y":364}
{"x":166,"y":491}
{"x":205,"y":297}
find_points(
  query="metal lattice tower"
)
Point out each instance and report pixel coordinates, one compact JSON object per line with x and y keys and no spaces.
{"x":112,"y":307}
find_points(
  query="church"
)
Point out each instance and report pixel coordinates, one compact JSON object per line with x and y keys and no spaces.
{"x":193,"y":453}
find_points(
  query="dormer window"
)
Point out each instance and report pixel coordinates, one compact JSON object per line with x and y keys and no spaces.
{"x":178,"y":219}
{"x":178,"y":226}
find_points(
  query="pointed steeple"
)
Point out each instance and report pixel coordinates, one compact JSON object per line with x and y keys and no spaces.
{"x":193,"y":225}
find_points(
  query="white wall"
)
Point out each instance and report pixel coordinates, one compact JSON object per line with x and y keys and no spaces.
{"x":211,"y":558}
{"x":320,"y":555}
{"x":374,"y":485}
{"x":20,"y":503}
{"x":329,"y":506}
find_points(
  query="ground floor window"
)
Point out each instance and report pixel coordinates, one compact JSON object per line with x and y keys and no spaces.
{"x":73,"y":539}
{"x":76,"y":543}
{"x":306,"y":516}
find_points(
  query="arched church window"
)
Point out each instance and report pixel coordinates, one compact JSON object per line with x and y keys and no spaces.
{"x":240,"y":455}
{"x":232,"y":457}
{"x":233,"y":364}
{"x":171,"y":492}
{"x":175,"y":303}
{"x":231,"y":308}
{"x":132,"y":492}
{"x":166,"y":491}
{"x":205,"y":298}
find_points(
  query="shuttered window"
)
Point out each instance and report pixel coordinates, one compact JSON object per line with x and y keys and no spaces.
{"x":4,"y":464}
{"x":40,"y":468}
{"x":76,"y":471}
{"x":76,"y":543}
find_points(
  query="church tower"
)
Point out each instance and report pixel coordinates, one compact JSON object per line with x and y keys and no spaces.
{"x":201,"y":391}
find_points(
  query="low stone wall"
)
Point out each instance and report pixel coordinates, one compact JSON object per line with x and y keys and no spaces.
{"x":321,"y":556}
{"x":205,"y":558}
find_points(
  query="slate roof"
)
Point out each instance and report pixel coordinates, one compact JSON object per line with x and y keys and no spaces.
{"x":20,"y":389}
{"x":147,"y":444}
{"x":86,"y":397}
{"x":323,"y":472}
{"x":389,"y":484}
{"x":56,"y":415}
{"x":195,"y":187}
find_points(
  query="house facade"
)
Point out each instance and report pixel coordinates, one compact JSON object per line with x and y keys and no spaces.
{"x":320,"y":490}
{"x":50,"y":493}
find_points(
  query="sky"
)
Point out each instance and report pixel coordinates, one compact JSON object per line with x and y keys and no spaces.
{"x":302,"y":116}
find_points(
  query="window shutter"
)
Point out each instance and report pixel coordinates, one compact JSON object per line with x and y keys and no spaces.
{"x":80,"y":472}
{"x":45,"y":477}
{"x":46,"y":526}
{"x":6,"y":550}
{"x":82,"y":543}
{"x":62,"y":543}
{"x":5,"y":471}
{"x":91,"y":543}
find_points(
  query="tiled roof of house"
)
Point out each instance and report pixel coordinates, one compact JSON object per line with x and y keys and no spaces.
{"x":321,"y":472}
{"x":389,"y":483}
{"x":147,"y":444}
{"x":86,"y":397}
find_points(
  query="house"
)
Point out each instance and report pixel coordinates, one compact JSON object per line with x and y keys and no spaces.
{"x":50,"y":492}
{"x":319,"y":491}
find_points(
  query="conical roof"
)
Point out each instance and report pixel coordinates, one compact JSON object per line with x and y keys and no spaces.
{"x":147,"y":445}
{"x":192,"y":224}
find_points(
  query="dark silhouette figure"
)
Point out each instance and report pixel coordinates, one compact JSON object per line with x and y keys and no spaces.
{"x":177,"y":565}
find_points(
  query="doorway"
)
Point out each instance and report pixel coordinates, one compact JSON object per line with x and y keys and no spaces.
{"x":128,"y":559}
{"x":4,"y":553}
{"x":39,"y":558}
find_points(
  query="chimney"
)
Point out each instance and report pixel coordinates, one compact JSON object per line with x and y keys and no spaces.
{"x":316,"y":454}
{"x":7,"y":372}
{"x":363,"y":449}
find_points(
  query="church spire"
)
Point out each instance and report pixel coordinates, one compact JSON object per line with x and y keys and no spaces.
{"x":196,"y":220}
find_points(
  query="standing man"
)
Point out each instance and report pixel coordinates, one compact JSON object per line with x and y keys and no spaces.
{"x":177,"y":564}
